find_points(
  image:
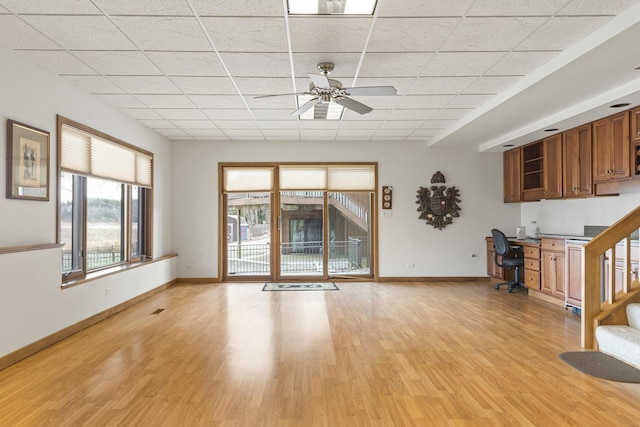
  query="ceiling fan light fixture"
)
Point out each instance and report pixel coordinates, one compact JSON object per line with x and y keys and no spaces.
{"x":331,"y":7}
{"x":332,"y":110}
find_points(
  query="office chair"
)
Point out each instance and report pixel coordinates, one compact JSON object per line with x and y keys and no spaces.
{"x":512,"y":258}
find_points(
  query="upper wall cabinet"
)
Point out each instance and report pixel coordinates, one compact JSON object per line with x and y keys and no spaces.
{"x":552,"y":166}
{"x":635,"y":142}
{"x":532,"y":171}
{"x":576,"y":170}
{"x":512,"y":176}
{"x":611,"y":148}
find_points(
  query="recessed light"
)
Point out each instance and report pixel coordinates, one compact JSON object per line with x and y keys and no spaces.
{"x":507,"y":145}
{"x":551,"y":130}
{"x":623,"y":104}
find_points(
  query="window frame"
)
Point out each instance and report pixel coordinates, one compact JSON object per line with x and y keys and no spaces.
{"x":79,"y":206}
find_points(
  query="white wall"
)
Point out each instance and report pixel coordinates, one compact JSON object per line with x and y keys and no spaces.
{"x":569,"y":216}
{"x":32,"y":304}
{"x":402,"y":237}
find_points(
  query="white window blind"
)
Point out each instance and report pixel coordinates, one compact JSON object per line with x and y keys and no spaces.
{"x":331,"y":178}
{"x":248,"y":178}
{"x":87,"y":154}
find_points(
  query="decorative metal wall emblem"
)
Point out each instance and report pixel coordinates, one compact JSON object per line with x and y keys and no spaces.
{"x":438,"y":205}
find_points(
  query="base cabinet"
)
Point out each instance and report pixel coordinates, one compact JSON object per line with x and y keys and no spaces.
{"x":573,"y":277}
{"x":552,"y":259}
{"x":493,"y":270}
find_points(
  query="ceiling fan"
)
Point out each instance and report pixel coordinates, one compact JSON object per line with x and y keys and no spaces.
{"x":324,"y":91}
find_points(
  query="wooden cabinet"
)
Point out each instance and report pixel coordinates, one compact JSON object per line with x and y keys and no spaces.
{"x":573,"y":276}
{"x":532,"y":171}
{"x":552,"y":166}
{"x":611,"y":148}
{"x":512,"y":173}
{"x":531,"y":266}
{"x":552,"y":260}
{"x":576,"y":166}
{"x":635,"y":142}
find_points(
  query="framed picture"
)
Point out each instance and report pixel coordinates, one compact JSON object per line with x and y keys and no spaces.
{"x":27,"y":162}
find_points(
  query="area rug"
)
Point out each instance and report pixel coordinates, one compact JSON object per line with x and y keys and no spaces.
{"x":300,"y":286}
{"x":601,"y":365}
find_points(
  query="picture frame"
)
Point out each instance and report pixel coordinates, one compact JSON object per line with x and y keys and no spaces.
{"x":27,"y":162}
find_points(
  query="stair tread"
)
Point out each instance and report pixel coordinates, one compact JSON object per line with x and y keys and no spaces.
{"x":633,"y":315}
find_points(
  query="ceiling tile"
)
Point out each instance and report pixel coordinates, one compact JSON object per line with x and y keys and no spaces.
{"x":424,"y":101}
{"x":418,"y":114}
{"x":368,"y":133}
{"x":409,"y":35}
{"x":94,"y":84}
{"x":561,"y":32}
{"x":426,"y":132}
{"x":461,"y":63}
{"x":237,"y":133}
{"x":16,"y":34}
{"x":144,"y":7}
{"x":377,"y":114}
{"x":515,"y":8}
{"x":440,"y":85}
{"x":58,"y":61}
{"x":228,"y":114}
{"x":303,"y":83}
{"x":278,"y":102}
{"x":205,"y":85}
{"x":140,"y":113}
{"x":491,"y":33}
{"x":328,"y":33}
{"x":423,"y":7}
{"x":378,"y":102}
{"x":58,"y":7}
{"x":401,"y":124}
{"x":346,"y":64}
{"x":165,"y":101}
{"x":491,"y":84}
{"x":81,"y":32}
{"x":451,"y":113}
{"x":597,"y":7}
{"x":237,"y":8}
{"x":394,"y":64}
{"x":281,"y":132}
{"x":164,"y":33}
{"x":352,"y":138}
{"x":316,"y":133}
{"x":264,"y":85}
{"x":362,"y":124}
{"x":181,"y":113}
{"x":438,"y":124}
{"x":521,"y":63}
{"x":205,"y":132}
{"x":393,"y":132}
{"x":121,"y":101}
{"x":318,"y":124}
{"x":236,"y":124}
{"x":217,"y":101}
{"x":194,"y":124}
{"x":401,"y":84}
{"x":118,"y":63}
{"x":281,"y":138}
{"x":188,"y":63}
{"x":257,"y":64}
{"x":278,"y":124}
{"x":469,"y":101}
{"x":274,"y":114}
{"x":145,"y":84}
{"x":247,"y":34}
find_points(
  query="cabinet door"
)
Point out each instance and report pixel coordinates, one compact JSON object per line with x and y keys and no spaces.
{"x":573,"y":277}
{"x":576,"y":173}
{"x":512,"y":174}
{"x":548,"y":272}
{"x":620,"y":146}
{"x":558,"y":280}
{"x":552,"y":149}
{"x":601,"y":151}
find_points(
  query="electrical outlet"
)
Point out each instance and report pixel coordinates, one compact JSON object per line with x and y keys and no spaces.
{"x":189,"y":266}
{"x":411,"y":265}
{"x":107,"y":291}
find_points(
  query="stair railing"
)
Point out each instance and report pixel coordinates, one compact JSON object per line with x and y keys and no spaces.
{"x":602,"y":302}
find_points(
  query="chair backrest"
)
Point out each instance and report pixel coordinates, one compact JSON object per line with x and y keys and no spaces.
{"x":500,"y":242}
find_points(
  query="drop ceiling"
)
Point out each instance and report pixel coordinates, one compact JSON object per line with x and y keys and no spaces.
{"x":472,"y":73}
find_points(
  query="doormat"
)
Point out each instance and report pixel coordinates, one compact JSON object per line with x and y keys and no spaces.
{"x":300,"y":286}
{"x":601,"y":365}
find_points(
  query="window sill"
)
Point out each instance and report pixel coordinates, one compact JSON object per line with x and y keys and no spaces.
{"x":95,"y":275}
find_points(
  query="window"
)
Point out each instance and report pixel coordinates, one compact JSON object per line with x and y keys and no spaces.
{"x":104,"y":200}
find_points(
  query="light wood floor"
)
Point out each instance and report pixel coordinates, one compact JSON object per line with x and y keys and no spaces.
{"x":371,"y":354}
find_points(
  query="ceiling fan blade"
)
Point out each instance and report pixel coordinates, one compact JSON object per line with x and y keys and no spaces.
{"x":356,"y":106}
{"x":320,"y":80}
{"x":306,"y":106}
{"x":372,"y":90}
{"x":279,"y":94}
